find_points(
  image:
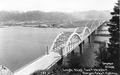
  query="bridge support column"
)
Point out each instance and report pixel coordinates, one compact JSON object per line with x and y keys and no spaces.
{"x":73,"y":52}
{"x":81,"y":48}
{"x":89,"y":38}
{"x":61,"y":60}
{"x":83,"y":42}
{"x":96,"y":31}
{"x":59,"y":63}
{"x":92,"y":36}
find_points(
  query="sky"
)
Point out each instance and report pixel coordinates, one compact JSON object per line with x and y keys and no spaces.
{"x":56,"y":5}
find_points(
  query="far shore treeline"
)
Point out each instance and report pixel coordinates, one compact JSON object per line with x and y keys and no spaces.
{"x":60,"y":19}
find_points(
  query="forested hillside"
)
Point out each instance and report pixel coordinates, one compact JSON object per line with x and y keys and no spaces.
{"x":53,"y":16}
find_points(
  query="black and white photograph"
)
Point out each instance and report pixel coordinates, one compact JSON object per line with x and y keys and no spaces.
{"x":59,"y":37}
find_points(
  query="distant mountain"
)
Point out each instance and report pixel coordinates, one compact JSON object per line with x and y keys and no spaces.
{"x":53,"y":17}
{"x":92,"y":15}
{"x":34,"y":16}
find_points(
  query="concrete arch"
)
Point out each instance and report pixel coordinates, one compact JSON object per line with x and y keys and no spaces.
{"x":55,"y":41}
{"x":83,"y":34}
{"x":72,"y":36}
{"x":79,"y":30}
{"x":80,"y":36}
{"x":65,"y":51}
{"x":86,"y":29}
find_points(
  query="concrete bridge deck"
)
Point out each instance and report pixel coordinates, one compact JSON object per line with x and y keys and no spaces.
{"x":43,"y":63}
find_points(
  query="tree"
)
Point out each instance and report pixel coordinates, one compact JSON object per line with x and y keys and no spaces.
{"x":114,"y":41}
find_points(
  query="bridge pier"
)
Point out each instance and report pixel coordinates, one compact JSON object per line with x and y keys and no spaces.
{"x":83,"y":42}
{"x":93,"y":34}
{"x":96,"y":31}
{"x":61,"y":60}
{"x":73,"y":52}
{"x":81,"y":48}
{"x":89,"y":39}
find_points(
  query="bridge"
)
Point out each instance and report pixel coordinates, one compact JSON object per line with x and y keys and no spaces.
{"x":63,"y":44}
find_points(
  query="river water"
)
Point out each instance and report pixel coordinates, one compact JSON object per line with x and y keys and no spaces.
{"x":21,"y":45}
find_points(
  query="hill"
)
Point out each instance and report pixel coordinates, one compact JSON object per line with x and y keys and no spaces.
{"x":92,"y":15}
{"x":56,"y":18}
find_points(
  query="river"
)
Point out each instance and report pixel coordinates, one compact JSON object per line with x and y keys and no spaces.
{"x":21,"y":45}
